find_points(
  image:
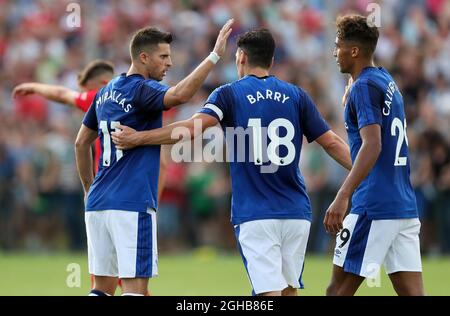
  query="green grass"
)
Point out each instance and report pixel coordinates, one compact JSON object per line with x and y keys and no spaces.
{"x":203,"y":272}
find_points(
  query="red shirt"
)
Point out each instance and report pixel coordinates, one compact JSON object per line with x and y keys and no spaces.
{"x":32,"y":107}
{"x":83,"y":101}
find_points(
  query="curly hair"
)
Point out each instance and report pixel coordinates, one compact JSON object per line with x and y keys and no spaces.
{"x":355,"y":28}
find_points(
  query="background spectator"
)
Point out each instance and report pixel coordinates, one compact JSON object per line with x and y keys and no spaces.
{"x":40,"y":195}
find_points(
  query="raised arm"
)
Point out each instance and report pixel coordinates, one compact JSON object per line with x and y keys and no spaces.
{"x":364,"y":162}
{"x":85,"y":138}
{"x":186,"y":88}
{"x":51,"y":92}
{"x":337,"y":148}
{"x":128,"y":138}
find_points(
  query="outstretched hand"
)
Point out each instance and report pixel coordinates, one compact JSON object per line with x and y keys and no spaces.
{"x":221,"y":42}
{"x":125,"y":137}
{"x":23,"y":89}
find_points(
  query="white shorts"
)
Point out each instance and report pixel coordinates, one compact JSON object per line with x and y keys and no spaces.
{"x":364,"y":245}
{"x":122,"y":243}
{"x":273,"y":252}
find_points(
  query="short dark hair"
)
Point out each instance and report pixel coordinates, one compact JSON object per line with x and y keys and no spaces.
{"x":94,"y":69}
{"x":147,"y":37}
{"x":259,"y":46}
{"x":355,"y":28}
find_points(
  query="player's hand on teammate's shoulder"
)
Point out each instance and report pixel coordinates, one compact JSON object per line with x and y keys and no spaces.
{"x":221,"y":42}
{"x":347,"y":91}
{"x":124,"y":137}
{"x":334,"y":217}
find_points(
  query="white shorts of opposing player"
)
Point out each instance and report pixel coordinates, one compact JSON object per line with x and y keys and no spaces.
{"x":122,"y":243}
{"x":363,"y":245}
{"x":273,"y":252}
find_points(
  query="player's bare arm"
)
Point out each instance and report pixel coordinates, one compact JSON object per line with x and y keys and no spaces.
{"x":337,"y":148}
{"x":52,"y":92}
{"x":185,"y":89}
{"x":364,"y":162}
{"x":85,"y":138}
{"x":128,"y":138}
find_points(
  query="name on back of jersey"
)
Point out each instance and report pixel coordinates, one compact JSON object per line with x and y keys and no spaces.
{"x":267,"y":95}
{"x":114,"y":97}
{"x":391,"y":89}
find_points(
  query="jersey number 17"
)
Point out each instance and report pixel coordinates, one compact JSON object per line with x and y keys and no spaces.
{"x":106,"y":158}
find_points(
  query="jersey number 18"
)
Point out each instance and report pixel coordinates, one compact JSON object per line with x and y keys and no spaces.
{"x":276,"y":141}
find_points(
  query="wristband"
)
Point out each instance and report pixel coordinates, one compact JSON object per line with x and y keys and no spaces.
{"x":213,"y":57}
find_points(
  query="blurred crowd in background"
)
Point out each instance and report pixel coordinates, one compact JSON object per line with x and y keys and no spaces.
{"x":41,"y":205}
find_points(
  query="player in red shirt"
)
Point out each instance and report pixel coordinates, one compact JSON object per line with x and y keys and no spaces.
{"x":93,"y":77}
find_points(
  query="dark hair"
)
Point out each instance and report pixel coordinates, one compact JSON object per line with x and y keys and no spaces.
{"x":146,"y":37}
{"x":355,"y":28}
{"x":94,"y":69}
{"x":259,"y":46}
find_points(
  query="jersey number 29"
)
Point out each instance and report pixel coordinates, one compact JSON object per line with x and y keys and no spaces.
{"x":397,"y":125}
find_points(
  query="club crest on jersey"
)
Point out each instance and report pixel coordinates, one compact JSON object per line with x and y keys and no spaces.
{"x":267,"y":95}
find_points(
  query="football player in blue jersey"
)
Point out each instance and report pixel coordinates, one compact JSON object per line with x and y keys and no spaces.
{"x":121,"y":200}
{"x":271,"y":211}
{"x":383,"y":225}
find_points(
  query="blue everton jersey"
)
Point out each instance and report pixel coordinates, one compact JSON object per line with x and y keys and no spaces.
{"x":386,"y":193}
{"x":126,"y":180}
{"x":264,"y":121}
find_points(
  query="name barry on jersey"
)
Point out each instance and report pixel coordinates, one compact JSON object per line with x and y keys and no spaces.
{"x":267,"y":95}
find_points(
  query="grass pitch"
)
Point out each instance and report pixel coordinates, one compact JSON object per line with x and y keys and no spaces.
{"x":200,"y":273}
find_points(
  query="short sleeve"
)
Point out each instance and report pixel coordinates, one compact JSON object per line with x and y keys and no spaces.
{"x":90,"y":119}
{"x":313,"y":124}
{"x":366,"y":98}
{"x":84,"y":100}
{"x":150,"y":96}
{"x":216,"y":105}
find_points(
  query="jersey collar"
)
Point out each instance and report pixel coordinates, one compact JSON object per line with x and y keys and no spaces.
{"x":264,"y":77}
